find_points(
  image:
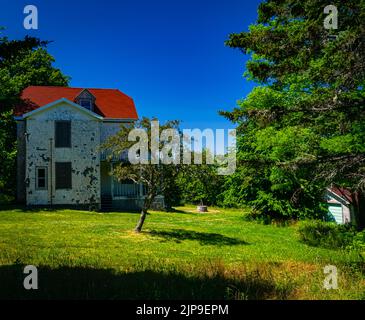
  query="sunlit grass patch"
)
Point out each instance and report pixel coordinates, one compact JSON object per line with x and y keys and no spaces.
{"x":184,"y":254}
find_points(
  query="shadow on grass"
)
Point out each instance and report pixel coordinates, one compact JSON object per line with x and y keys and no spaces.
{"x":23,"y":208}
{"x":55,"y":208}
{"x":47,"y":208}
{"x":9,"y":207}
{"x":87,"y":283}
{"x":204,"y":238}
{"x":186,"y":211}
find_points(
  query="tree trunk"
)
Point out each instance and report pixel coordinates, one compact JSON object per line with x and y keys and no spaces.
{"x":142,"y":217}
{"x":146,"y":205}
{"x":359,"y":208}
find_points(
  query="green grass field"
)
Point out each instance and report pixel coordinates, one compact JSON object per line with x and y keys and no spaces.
{"x":178,"y":255}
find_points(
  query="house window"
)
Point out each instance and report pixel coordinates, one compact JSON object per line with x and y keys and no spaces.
{"x":63,"y":175}
{"x":41,"y":178}
{"x":86,"y":103}
{"x":63,"y":134}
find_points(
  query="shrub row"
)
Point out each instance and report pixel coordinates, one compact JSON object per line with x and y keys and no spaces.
{"x":331,"y":235}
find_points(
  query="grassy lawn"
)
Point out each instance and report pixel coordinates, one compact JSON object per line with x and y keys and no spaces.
{"x":184,"y":254}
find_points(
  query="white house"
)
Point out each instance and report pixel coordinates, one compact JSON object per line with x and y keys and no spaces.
{"x":59,"y":131}
{"x":340,"y":205}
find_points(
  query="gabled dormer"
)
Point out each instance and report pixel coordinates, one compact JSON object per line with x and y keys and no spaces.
{"x":86,"y":100}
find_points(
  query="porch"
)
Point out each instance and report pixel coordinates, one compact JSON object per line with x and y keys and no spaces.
{"x":122,"y":195}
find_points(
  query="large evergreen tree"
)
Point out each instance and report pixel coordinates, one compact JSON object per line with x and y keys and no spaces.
{"x":303,"y":127}
{"x":22,"y":63}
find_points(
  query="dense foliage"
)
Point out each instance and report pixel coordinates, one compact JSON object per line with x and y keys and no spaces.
{"x":7,"y":156}
{"x":331,"y":235}
{"x":22,"y":63}
{"x":200,"y":183}
{"x":326,"y":234}
{"x":303,"y":127}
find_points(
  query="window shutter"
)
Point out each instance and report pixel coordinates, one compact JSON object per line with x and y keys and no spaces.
{"x":63,"y":175}
{"x":63,"y":134}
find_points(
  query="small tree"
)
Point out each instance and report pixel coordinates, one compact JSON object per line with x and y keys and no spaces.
{"x":143,"y":165}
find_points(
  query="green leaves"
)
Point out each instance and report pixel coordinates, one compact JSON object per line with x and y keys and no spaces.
{"x":7,"y":156}
{"x":200,"y":183}
{"x":30,"y":68}
{"x":158,"y":178}
{"x":303,"y":127}
{"x":22,"y":63}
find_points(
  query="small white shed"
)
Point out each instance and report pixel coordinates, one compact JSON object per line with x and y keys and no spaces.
{"x":339,"y":203}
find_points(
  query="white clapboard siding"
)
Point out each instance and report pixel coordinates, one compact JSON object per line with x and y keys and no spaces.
{"x":335,"y":211}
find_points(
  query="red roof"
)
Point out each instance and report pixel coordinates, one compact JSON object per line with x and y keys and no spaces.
{"x":343,"y":193}
{"x":109,"y":103}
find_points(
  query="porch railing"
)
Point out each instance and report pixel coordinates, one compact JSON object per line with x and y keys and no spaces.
{"x":128,"y":190}
{"x":107,"y":155}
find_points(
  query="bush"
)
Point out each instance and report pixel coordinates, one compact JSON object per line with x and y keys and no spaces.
{"x":265,"y":219}
{"x":358,"y":242}
{"x":326,"y":234}
{"x":257,"y":216}
{"x":200,"y":184}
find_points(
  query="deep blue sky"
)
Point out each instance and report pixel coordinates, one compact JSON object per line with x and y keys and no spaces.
{"x":169,"y":55}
